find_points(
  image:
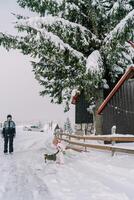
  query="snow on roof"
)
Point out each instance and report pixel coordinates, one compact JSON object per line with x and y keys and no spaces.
{"x":54,"y":126}
{"x":94,"y":62}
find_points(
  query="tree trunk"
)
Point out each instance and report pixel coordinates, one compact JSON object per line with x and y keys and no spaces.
{"x":98,"y":119}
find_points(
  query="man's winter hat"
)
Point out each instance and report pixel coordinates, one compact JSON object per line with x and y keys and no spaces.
{"x":9,"y":116}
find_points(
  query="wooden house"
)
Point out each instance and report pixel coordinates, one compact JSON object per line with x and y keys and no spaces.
{"x":81,"y":113}
{"x":83,"y":119}
{"x":118,"y":107}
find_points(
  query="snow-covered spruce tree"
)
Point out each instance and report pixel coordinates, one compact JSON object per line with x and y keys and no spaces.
{"x":76,"y":44}
{"x":67,"y":126}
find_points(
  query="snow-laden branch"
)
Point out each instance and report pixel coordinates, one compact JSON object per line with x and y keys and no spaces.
{"x":57,"y":22}
{"x":102,"y":6}
{"x":121,"y":29}
{"x":94,"y":63}
{"x":36,"y":24}
{"x":115,"y":8}
{"x":54,"y":7}
{"x":1,"y":35}
{"x":59,"y":44}
{"x":8,"y":41}
{"x":59,"y":2}
{"x":130,"y":53}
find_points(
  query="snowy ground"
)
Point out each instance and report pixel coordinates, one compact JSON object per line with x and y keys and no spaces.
{"x":84,"y":176}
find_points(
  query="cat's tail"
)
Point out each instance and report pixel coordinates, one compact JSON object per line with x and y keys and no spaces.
{"x":57,"y":152}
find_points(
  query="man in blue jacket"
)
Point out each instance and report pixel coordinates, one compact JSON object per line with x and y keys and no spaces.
{"x":8,"y":132}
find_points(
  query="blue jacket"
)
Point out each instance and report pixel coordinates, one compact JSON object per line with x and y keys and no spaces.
{"x":9,"y":128}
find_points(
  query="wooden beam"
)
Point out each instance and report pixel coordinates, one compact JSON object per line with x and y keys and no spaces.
{"x":103,"y":138}
{"x":103,"y":147}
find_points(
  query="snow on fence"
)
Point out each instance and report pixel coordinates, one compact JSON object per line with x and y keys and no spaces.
{"x":109,"y":147}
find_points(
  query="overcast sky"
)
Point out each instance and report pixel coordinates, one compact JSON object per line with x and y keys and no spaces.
{"x":19,"y":91}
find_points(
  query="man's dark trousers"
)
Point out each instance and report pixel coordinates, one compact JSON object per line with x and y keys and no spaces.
{"x":8,"y":140}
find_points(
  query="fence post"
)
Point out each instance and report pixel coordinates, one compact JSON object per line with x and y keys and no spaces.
{"x":113,"y":152}
{"x":69,"y":137}
{"x":85,"y":148}
{"x":84,"y":139}
{"x":113,"y":132}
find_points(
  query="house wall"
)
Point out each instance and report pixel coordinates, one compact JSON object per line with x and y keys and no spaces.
{"x":120,"y":110}
{"x":82,"y":116}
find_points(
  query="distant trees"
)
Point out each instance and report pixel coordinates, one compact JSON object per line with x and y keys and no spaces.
{"x":67,"y":126}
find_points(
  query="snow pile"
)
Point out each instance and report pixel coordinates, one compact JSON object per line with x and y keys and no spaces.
{"x":94,"y":63}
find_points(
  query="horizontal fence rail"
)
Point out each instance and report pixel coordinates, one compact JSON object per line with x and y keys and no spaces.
{"x":103,"y":138}
{"x":68,"y":138}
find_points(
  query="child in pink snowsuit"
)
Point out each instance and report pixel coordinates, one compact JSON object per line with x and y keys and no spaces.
{"x":61,"y":148}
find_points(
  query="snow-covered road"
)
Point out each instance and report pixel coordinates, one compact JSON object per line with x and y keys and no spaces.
{"x":84,"y":176}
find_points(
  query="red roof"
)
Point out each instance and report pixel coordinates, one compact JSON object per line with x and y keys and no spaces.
{"x":129,"y":74}
{"x":132,"y":43}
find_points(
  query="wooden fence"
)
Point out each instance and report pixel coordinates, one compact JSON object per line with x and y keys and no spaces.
{"x":81,"y":142}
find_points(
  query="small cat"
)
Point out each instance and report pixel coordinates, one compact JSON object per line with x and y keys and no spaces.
{"x":50,"y":156}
